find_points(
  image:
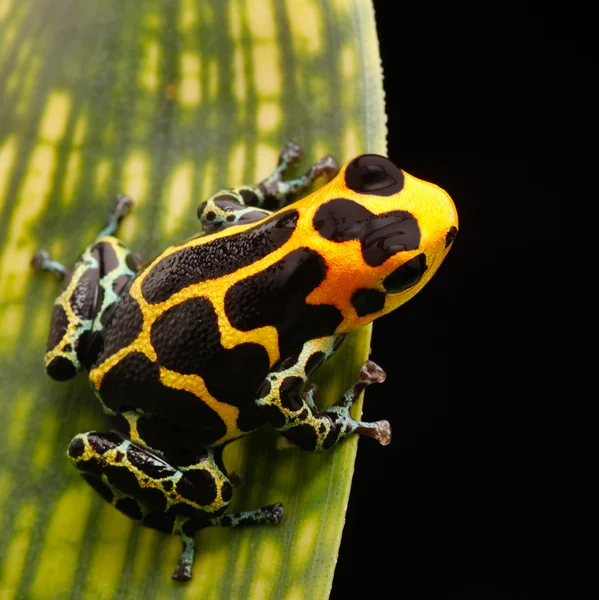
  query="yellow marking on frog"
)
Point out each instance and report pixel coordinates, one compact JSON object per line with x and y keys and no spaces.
{"x":190,"y":91}
{"x":109,"y":553}
{"x":54,"y":118}
{"x":19,"y":425}
{"x":306,"y":26}
{"x":435,"y":210}
{"x":8,"y":153}
{"x":269,"y":117}
{"x":74,"y":321}
{"x":17,"y":549}
{"x":59,"y":559}
{"x":149,"y":72}
{"x":22,"y":243}
{"x":71,"y":178}
{"x":178,"y":197}
{"x":195,"y":384}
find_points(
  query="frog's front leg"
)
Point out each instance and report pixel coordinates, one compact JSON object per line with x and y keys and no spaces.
{"x":89,"y":292}
{"x":149,"y":475}
{"x":296,"y":416}
{"x":249,"y":203}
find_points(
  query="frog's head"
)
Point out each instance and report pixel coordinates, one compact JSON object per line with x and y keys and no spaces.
{"x":392,"y":232}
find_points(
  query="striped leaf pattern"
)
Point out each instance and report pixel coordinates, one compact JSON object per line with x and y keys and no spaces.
{"x":166,"y":101}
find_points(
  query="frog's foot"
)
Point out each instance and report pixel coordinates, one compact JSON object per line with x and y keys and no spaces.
{"x":120,"y":208}
{"x":277,"y":191}
{"x":339,"y":412}
{"x":271,"y":514}
{"x":42,"y":261}
{"x":250,"y":203}
{"x":294,"y":412}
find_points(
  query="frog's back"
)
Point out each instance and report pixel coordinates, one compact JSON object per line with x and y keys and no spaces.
{"x":199,"y":328}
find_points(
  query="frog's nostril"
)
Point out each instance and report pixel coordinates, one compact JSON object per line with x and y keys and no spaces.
{"x":451,"y":235}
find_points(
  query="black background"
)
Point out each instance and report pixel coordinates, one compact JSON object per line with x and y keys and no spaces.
{"x":489,"y":102}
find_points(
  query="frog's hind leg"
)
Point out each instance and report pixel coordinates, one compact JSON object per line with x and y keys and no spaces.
{"x":89,"y":292}
{"x":249,"y":203}
{"x":145,"y":472}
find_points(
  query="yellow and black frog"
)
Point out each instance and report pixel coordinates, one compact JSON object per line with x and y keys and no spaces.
{"x":218,"y":335}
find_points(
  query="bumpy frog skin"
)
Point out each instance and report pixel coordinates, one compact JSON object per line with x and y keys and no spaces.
{"x":218,"y":335}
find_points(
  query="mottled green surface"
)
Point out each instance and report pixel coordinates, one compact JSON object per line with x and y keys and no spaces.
{"x":166,"y":101}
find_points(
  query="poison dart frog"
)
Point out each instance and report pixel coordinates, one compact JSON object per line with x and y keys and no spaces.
{"x":218,"y":335}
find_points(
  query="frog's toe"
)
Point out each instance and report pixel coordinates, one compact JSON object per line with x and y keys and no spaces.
{"x":372,"y":373}
{"x":42,"y":261}
{"x":236,"y":479}
{"x":326,"y":167}
{"x":122,"y":205}
{"x":291,"y":152}
{"x":379,"y":430}
{"x":40,"y":258}
{"x":273,"y":513}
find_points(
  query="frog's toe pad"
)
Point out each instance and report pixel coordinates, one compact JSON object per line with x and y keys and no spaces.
{"x":327,"y":166}
{"x":122,"y":205}
{"x":372,"y":373}
{"x":39,"y":260}
{"x":182,"y":573}
{"x":383,"y":433}
{"x":291,"y":152}
{"x":273,"y":513}
{"x":379,"y":430}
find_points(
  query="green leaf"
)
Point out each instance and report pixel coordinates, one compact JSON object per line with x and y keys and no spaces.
{"x":166,"y":101}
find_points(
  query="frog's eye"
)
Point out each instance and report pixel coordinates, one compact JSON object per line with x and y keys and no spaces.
{"x":406,"y":276}
{"x":374,"y":174}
